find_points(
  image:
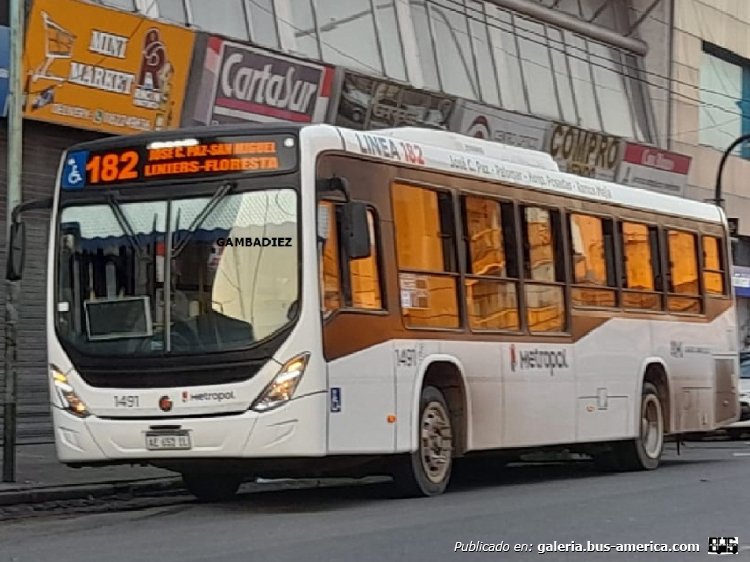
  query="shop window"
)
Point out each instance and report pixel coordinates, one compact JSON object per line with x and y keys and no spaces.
{"x":453,"y":49}
{"x":128,"y":5}
{"x":390,"y":39}
{"x":480,"y":40}
{"x":507,"y":62}
{"x":576,"y":48}
{"x":263,"y":23}
{"x":537,"y":68}
{"x":420,"y":16}
{"x":347,"y":34}
{"x":220,"y":16}
{"x":425,"y":248}
{"x":172,"y":10}
{"x":592,"y":251}
{"x":684,"y":287}
{"x":492,"y":270}
{"x":641,"y":272}
{"x":713,"y":266}
{"x":297,"y":27}
{"x":544,"y":270}
{"x":723,"y":108}
{"x":562,"y":75}
{"x":609,"y":80}
{"x":352,"y":283}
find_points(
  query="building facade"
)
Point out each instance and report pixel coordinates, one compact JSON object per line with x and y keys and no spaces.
{"x":592,"y":82}
{"x":710,"y":109}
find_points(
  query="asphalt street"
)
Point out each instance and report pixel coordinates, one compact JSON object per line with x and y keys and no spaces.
{"x":703,"y":493}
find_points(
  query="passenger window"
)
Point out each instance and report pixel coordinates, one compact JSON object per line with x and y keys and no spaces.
{"x":592,"y":252}
{"x":491,"y":297}
{"x":356,"y":283}
{"x":640,"y":251}
{"x":713,"y":268}
{"x":683,"y":272}
{"x":543,"y":254}
{"x":425,"y":247}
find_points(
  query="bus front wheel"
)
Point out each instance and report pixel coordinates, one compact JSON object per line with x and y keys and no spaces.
{"x":427,"y":471}
{"x":209,"y":487}
{"x":644,"y":452}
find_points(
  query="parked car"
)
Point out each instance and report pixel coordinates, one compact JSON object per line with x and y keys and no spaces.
{"x":742,"y":426}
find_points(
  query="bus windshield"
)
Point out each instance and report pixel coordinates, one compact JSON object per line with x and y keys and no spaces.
{"x":228,"y":264}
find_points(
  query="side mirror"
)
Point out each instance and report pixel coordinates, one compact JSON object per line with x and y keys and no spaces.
{"x":356,"y":235}
{"x":16,"y":254}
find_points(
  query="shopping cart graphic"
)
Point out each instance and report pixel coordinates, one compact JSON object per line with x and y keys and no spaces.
{"x":58,"y":45}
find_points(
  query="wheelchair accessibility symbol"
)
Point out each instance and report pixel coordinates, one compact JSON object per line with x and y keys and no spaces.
{"x":74,"y":170}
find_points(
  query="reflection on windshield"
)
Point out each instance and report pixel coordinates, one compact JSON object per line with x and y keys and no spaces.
{"x":230,"y":274}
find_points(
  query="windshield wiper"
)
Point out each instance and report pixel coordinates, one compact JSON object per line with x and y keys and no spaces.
{"x":218,"y":196}
{"x":125,"y":225}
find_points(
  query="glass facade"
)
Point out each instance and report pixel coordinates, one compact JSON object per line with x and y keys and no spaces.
{"x":471,"y":49}
{"x":723,"y":111}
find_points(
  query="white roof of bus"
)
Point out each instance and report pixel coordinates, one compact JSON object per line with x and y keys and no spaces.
{"x":454,"y":153}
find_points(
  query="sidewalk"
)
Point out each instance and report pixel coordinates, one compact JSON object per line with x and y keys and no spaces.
{"x":40,"y":477}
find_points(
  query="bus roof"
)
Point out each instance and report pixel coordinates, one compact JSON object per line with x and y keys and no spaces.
{"x":448,"y":152}
{"x":453,"y":153}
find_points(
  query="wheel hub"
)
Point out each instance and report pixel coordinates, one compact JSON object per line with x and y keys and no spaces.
{"x":652,"y":426}
{"x":436,"y":438}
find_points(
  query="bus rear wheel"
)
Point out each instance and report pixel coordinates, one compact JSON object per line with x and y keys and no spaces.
{"x":208,"y":487}
{"x":644,"y":452}
{"x":427,"y":471}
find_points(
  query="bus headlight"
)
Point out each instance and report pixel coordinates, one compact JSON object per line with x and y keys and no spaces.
{"x":70,"y":400}
{"x":282,"y":387}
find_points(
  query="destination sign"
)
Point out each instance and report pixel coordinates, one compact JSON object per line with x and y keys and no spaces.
{"x":179,"y":159}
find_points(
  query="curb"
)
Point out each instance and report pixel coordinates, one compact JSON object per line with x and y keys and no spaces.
{"x":84,"y":491}
{"x":41,"y":495}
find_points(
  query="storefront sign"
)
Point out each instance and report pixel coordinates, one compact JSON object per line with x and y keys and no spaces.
{"x":741,"y":280}
{"x":4,"y":69}
{"x":654,"y":169}
{"x":238,"y":83}
{"x":585,"y":153}
{"x":97,"y":68}
{"x":505,"y":127}
{"x":366,"y":103}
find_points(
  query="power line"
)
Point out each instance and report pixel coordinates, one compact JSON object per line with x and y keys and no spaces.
{"x":565,"y":47}
{"x":561,"y":45}
{"x":697,"y":101}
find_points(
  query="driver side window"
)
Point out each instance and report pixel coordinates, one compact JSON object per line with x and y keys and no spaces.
{"x":348,"y":283}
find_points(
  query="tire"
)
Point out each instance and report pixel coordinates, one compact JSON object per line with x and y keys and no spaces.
{"x":427,"y":471}
{"x":736,"y":434}
{"x":211,"y":487}
{"x":644,"y":452}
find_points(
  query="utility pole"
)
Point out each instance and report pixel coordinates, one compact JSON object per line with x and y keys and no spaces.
{"x":13,"y":198}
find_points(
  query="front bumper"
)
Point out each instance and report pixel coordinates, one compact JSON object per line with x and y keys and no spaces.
{"x":295,"y":429}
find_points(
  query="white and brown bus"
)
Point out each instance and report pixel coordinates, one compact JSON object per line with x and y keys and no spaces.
{"x":348,"y":302}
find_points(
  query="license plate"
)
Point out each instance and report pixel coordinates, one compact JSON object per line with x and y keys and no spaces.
{"x":171,"y":441}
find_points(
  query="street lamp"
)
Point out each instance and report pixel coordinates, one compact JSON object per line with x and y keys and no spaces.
{"x":718,"y":201}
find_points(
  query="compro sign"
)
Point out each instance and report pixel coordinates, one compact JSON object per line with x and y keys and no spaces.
{"x":96,"y":68}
